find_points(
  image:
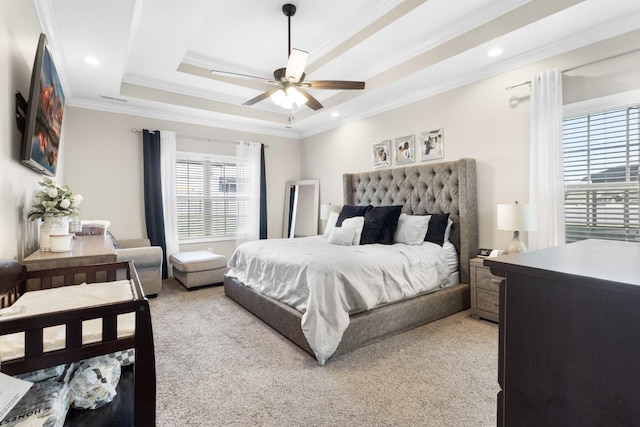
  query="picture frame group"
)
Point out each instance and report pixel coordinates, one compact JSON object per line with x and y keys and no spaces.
{"x":427,"y":146}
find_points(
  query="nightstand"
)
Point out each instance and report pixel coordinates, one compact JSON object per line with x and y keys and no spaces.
{"x":485,"y":290}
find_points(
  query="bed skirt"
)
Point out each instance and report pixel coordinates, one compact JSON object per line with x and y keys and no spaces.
{"x":364,"y":328}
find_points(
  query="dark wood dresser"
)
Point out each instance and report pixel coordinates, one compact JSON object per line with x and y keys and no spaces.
{"x":569,"y":342}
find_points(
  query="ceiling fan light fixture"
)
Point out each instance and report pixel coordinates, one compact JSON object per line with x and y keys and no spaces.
{"x":297,"y":97}
{"x":278,"y":96}
{"x":288,"y":98}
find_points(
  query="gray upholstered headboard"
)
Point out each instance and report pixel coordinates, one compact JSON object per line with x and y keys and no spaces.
{"x":447,"y":187}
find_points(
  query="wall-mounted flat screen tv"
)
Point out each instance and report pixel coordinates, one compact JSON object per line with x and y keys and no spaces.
{"x":41,"y":139}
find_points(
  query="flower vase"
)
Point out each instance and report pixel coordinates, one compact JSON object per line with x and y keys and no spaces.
{"x":52,"y":225}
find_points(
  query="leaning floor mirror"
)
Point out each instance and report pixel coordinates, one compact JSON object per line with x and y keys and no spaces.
{"x":301,"y":204}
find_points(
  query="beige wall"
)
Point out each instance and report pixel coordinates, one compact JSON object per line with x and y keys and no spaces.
{"x":104,"y":164}
{"x":19,"y":32}
{"x":480,"y":120}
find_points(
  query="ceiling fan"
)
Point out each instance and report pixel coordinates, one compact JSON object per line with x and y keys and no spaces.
{"x":290,"y":84}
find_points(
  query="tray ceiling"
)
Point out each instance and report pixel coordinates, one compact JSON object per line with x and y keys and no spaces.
{"x":155,"y":56}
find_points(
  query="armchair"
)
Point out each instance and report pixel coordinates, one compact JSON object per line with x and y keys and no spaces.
{"x":147,"y":260}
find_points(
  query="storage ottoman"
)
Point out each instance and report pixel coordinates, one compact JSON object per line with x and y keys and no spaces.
{"x":198,"y":268}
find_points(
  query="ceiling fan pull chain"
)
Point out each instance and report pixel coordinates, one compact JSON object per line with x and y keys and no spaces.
{"x":290,"y":124}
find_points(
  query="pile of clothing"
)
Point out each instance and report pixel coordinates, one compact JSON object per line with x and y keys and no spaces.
{"x":89,"y":384}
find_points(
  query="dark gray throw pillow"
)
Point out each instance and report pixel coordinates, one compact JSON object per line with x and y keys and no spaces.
{"x":349,"y":211}
{"x":437,"y":227}
{"x":380,"y":224}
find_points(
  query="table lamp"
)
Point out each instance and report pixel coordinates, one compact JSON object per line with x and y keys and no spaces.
{"x":325,"y":213}
{"x":516,"y":217}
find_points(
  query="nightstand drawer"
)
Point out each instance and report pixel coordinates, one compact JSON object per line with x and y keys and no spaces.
{"x":485,"y":291}
{"x":486,"y":280}
{"x":487,"y":300}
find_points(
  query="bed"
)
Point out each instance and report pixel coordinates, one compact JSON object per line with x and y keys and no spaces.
{"x":435,"y":188}
{"x":123,"y":324}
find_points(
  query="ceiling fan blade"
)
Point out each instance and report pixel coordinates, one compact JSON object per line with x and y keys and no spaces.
{"x":245,"y":76}
{"x":296,"y":64}
{"x":312,"y":103}
{"x":262,"y":96}
{"x":334,"y":84}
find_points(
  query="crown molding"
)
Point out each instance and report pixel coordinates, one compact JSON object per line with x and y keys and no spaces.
{"x":179,"y":89}
{"x":203,"y":119}
{"x":613,"y":28}
{"x":464,"y":25}
{"x":366,"y":19}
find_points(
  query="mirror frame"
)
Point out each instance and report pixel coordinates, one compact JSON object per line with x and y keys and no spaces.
{"x":291,"y":208}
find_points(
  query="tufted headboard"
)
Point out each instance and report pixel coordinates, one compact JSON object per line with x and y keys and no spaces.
{"x":447,"y":187}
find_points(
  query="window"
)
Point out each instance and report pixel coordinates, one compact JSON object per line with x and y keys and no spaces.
{"x":601,"y":157}
{"x":206,"y":193}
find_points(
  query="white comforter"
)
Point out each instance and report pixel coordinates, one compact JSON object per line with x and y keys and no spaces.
{"x":328,"y":282}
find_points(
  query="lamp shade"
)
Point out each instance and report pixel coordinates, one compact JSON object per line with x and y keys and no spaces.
{"x":516,"y":217}
{"x":325,"y":210}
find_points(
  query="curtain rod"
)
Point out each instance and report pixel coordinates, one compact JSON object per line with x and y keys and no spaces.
{"x":200,"y":138}
{"x":528,"y":82}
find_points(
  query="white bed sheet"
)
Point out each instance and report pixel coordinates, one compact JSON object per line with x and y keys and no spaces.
{"x":67,"y":298}
{"x":328,"y":282}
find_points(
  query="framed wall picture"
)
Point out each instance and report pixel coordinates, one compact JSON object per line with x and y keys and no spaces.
{"x":404,"y":149}
{"x":431,"y":145}
{"x":382,"y":154}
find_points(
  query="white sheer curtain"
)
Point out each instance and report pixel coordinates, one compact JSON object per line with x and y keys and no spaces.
{"x":248,"y":191}
{"x":546,"y":175}
{"x":169,"y":201}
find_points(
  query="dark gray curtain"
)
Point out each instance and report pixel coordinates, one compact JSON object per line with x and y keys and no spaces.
{"x":263,"y":196}
{"x":153,"y":192}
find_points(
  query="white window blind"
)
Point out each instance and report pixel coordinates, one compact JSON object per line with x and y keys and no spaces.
{"x":206,"y":197}
{"x":601,"y":157}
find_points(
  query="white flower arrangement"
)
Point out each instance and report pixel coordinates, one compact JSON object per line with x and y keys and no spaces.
{"x":54,"y":200}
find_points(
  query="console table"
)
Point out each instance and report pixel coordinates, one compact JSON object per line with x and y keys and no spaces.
{"x":569,"y":341}
{"x":86,"y":250}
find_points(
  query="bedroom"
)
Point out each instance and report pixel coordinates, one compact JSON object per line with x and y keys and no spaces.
{"x":484,"y":107}
{"x":479,"y":121}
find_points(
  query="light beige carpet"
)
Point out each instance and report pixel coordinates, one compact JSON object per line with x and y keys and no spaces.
{"x":218,"y":365}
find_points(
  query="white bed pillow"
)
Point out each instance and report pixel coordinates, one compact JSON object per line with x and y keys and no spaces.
{"x":349,"y":233}
{"x":357,"y":223}
{"x":452,"y":256}
{"x":342,"y":236}
{"x":331,"y":222}
{"x":447,"y":231}
{"x":412,"y":229}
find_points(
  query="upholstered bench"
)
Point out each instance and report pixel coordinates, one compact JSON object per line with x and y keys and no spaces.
{"x":198,"y":268}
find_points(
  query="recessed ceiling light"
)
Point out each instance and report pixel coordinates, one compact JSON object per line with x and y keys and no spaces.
{"x":496,"y":51}
{"x":335,"y":114}
{"x":91,"y":60}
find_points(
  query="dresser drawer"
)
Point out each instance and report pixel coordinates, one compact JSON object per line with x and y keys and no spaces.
{"x":487,"y":300}
{"x":486,"y":280}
